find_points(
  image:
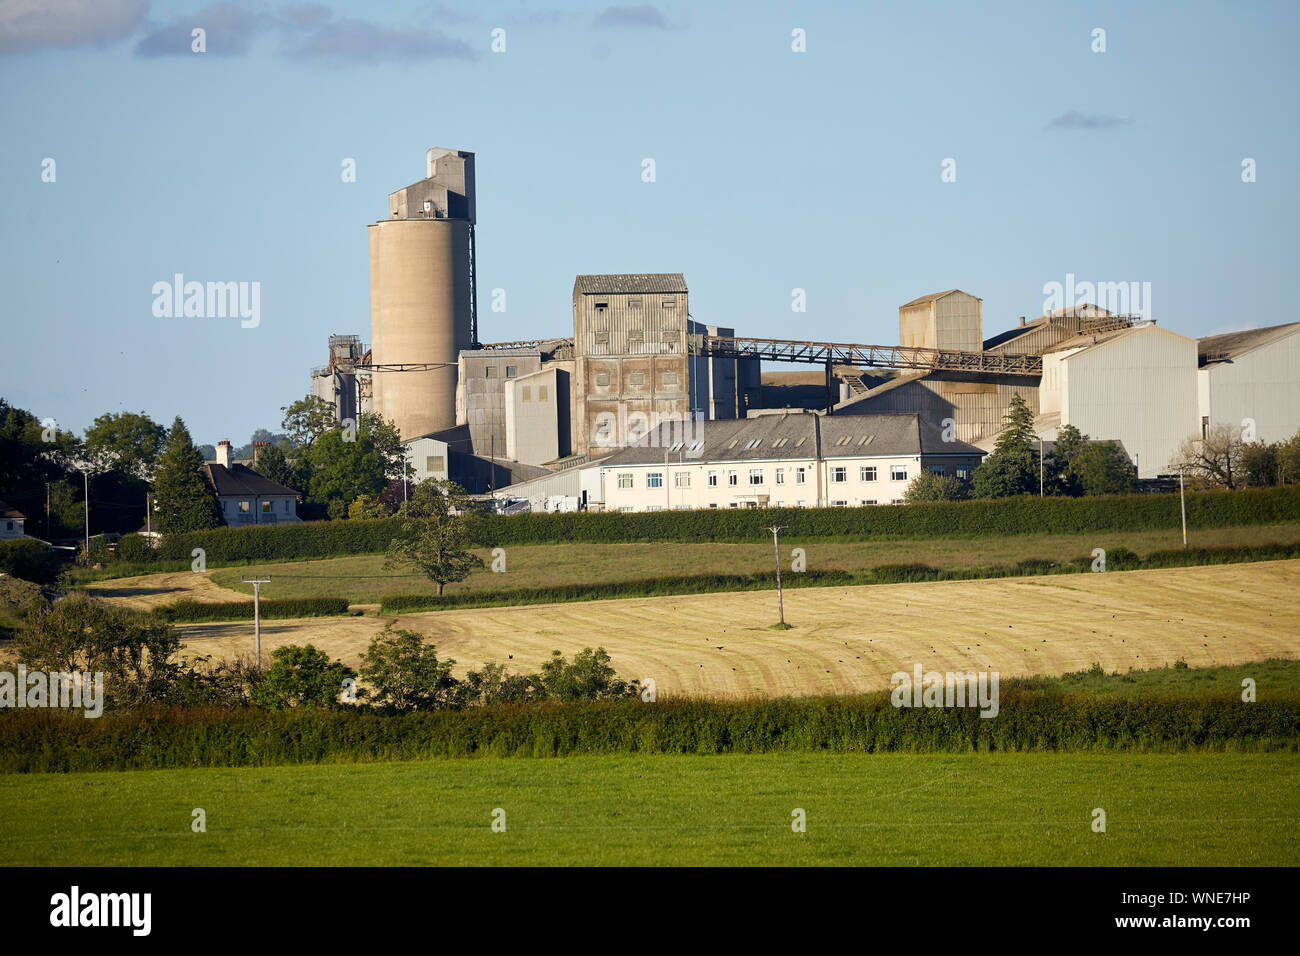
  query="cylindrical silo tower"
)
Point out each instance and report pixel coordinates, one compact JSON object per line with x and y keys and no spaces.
{"x":422,"y":294}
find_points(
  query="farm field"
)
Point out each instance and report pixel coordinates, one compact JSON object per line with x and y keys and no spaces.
{"x":851,"y":639}
{"x":928,"y":810}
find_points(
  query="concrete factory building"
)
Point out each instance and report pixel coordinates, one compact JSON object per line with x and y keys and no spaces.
{"x":422,"y":307}
{"x":794,"y":460}
{"x":942,"y":320}
{"x":1254,"y":376}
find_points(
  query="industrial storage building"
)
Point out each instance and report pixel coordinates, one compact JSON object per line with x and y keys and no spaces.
{"x":422,"y":293}
{"x":942,"y":320}
{"x":1251,"y":376}
{"x":797,"y":459}
{"x":1136,"y":386}
{"x":537,"y":415}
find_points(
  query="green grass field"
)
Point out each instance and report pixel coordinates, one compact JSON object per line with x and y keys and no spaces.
{"x":364,"y":579}
{"x":973,"y":809}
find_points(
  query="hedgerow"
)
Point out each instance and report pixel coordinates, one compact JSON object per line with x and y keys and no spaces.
{"x":187,"y":611}
{"x":42,"y":740}
{"x":937,"y":519}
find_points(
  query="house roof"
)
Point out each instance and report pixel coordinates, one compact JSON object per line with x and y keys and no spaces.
{"x":624,"y":282}
{"x":1225,"y":347}
{"x":9,"y":511}
{"x":933,"y":296}
{"x":239,"y":480}
{"x":793,"y":436}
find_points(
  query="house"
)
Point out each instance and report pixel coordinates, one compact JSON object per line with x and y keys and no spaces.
{"x":790,"y":460}
{"x":246,"y":497}
{"x":11,"y":522}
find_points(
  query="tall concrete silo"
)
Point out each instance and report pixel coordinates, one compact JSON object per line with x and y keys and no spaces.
{"x":422,"y":303}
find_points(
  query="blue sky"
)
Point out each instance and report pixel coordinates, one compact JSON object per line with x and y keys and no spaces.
{"x":774,"y":170}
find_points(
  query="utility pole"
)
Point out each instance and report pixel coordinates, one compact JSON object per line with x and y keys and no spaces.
{"x":1182,"y":503}
{"x":86,"y":553}
{"x":1040,"y":466}
{"x":780,"y":602}
{"x":148,"y":519}
{"x":47,"y":510}
{"x":257,"y":613}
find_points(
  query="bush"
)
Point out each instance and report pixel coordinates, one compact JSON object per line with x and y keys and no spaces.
{"x":135,"y":549}
{"x":30,"y":560}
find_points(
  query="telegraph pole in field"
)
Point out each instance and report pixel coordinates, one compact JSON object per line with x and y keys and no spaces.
{"x":780,"y":603}
{"x":257,"y":613}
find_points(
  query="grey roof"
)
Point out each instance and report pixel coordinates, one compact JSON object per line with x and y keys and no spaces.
{"x":629,"y":283}
{"x":238,"y":480}
{"x":9,"y":511}
{"x":800,"y":435}
{"x":1221,"y":348}
{"x":935,"y":295}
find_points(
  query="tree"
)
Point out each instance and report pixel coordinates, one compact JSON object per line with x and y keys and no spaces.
{"x":184,"y":501}
{"x":1288,"y":460}
{"x":1058,"y":479}
{"x":434,"y":534}
{"x":1215,"y":459}
{"x":127,"y":442}
{"x":135,"y":652}
{"x":273,"y":464}
{"x":307,"y":420}
{"x":928,"y":486}
{"x":1259,"y":464}
{"x":1012,"y":469}
{"x":589,"y":677}
{"x":301,"y":677}
{"x":1101,"y":468}
{"x":367,"y":507}
{"x":402,"y":672}
{"x":342,"y":465}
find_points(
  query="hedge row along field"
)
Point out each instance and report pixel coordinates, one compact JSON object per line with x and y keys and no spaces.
{"x":1117,"y":559}
{"x":946,"y":519}
{"x":34,"y":741}
{"x":189,"y":612}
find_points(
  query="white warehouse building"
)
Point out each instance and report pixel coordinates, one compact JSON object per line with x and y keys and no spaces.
{"x":795,"y":459}
{"x":1251,"y":377}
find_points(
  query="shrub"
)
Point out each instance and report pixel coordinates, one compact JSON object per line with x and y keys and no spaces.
{"x":135,"y":549}
{"x":301,"y":677}
{"x":30,"y":560}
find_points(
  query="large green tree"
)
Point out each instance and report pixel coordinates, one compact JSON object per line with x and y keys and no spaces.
{"x":273,"y":464}
{"x":1101,"y":468}
{"x":1012,"y":468}
{"x":301,"y":676}
{"x":183,"y":499}
{"x":434,"y":537}
{"x":308,"y":419}
{"x":126,"y":442}
{"x":402,"y":672}
{"x":343,"y":464}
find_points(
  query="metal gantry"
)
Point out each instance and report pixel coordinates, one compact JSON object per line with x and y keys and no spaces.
{"x":864,"y":356}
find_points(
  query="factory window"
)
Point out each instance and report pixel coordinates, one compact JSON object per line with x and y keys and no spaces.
{"x":937,"y":470}
{"x":266,"y":507}
{"x":489,"y":371}
{"x":963,"y":474}
{"x":867,"y":474}
{"x":731,"y":478}
{"x":634,"y":303}
{"x":839,"y":475}
{"x":602,"y":305}
{"x":602,"y":379}
{"x":602,"y":338}
{"x":668,"y":304}
{"x":433,"y":463}
{"x":800,"y":476}
{"x":683,"y":479}
{"x":541,"y":393}
{"x":525,"y":394}
{"x":780,"y":476}
{"x":655,"y":479}
{"x":625,"y":480}
{"x":634,"y":336}
{"x":510,"y":371}
{"x":898,"y":473}
{"x":670,"y":378}
{"x":756,"y":476}
{"x":713,"y":479}
{"x":636,"y":378}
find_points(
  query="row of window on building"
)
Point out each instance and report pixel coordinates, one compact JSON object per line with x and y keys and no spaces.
{"x":669,"y":379}
{"x":839,"y":474}
{"x":842,"y":503}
